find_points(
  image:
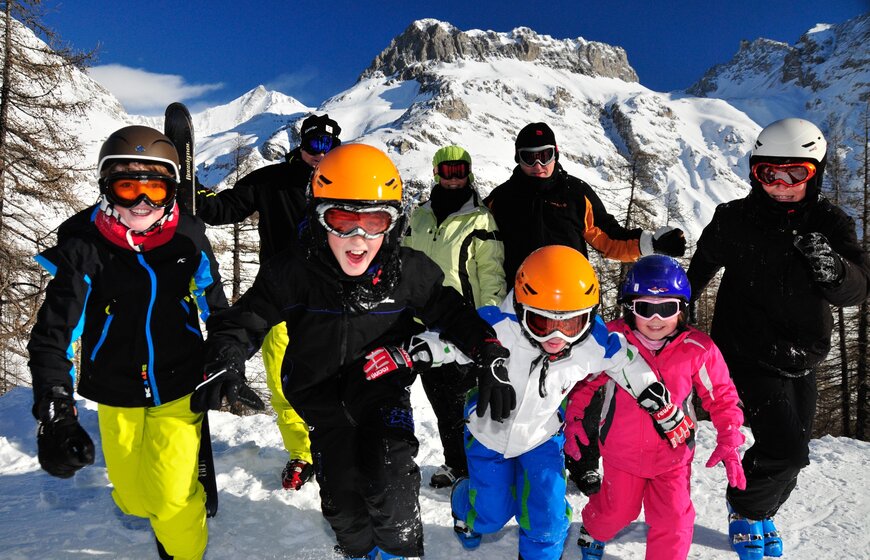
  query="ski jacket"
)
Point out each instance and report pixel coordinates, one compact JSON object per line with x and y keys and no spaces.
{"x":276,"y":192}
{"x":769,"y":311}
{"x":329,"y":335}
{"x":560,"y":210}
{"x":137,"y":314}
{"x":467,"y":247}
{"x":689,"y":363}
{"x":541,"y":385}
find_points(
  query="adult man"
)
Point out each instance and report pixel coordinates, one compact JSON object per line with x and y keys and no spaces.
{"x":541,"y":204}
{"x":278,"y":193}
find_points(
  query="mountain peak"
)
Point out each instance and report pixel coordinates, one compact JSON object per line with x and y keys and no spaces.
{"x":430,"y":41}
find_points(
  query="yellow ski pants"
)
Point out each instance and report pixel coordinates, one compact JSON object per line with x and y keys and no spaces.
{"x":293,"y":429}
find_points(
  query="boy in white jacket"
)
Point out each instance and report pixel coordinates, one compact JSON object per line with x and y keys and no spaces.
{"x":515,"y":458}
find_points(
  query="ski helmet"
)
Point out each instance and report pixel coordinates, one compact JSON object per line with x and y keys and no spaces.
{"x":787,"y":141}
{"x":357,"y":173}
{"x":656,"y":276}
{"x":138,"y":143}
{"x":556,"y":285}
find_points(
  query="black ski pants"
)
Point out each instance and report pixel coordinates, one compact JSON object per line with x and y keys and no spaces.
{"x":369,"y":482}
{"x":780,"y":411}
{"x":445,"y":388}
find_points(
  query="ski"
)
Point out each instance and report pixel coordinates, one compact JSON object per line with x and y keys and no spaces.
{"x":178,"y":126}
{"x":206,"y":470}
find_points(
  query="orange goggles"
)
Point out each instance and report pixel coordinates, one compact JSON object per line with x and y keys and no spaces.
{"x":129,"y":189}
{"x":788,"y":175}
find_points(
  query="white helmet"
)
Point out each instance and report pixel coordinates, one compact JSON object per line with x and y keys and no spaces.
{"x":791,"y":138}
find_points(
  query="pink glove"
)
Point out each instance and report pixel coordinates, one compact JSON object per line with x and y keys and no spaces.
{"x":574,"y":432}
{"x":727,"y":443}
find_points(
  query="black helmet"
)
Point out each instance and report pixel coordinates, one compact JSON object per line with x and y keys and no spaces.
{"x":138,"y":143}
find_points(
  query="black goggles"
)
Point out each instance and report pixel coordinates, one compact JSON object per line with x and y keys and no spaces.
{"x":458,"y":169}
{"x":539,"y":154}
{"x":649,"y":308}
{"x":319,"y":144}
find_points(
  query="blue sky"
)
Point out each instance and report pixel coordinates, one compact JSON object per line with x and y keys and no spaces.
{"x":210,"y":52}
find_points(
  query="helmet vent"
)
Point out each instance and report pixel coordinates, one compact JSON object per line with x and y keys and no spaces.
{"x":529,"y":290}
{"x":808,"y":144}
{"x":324,"y":180}
{"x":590,"y":290}
{"x":390,"y":182}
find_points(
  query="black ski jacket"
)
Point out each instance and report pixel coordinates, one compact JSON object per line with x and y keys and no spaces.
{"x":559,"y":210}
{"x":329,"y":335}
{"x":276,"y":191}
{"x":769,"y":311}
{"x":137,"y":315}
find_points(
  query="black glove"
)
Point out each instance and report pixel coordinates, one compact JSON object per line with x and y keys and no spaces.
{"x":825,"y":264}
{"x":224,"y":377}
{"x":670,"y":242}
{"x":670,"y":422}
{"x":416,"y":355}
{"x":494,"y":388}
{"x":63,"y":445}
{"x":693,"y":312}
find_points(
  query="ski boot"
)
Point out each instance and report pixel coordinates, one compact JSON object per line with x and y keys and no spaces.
{"x":296,"y":473}
{"x":445,"y":476}
{"x":387,"y":556}
{"x":590,"y":548}
{"x":589,"y":482}
{"x":772,"y":540}
{"x":745,"y":536}
{"x":371,"y":555}
{"x":459,"y":506}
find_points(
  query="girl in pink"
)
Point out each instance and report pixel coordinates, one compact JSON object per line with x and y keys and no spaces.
{"x":640,"y":468}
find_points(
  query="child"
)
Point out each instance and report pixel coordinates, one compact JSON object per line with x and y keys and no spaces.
{"x":549,"y":321}
{"x":638,"y":467}
{"x":132,"y":277}
{"x":457,"y":232}
{"x":345,"y":299}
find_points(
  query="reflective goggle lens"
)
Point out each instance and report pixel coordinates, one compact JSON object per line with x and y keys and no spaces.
{"x":541,"y":154}
{"x":649,"y":308}
{"x":454,"y":169}
{"x":543,"y":326}
{"x":129,"y":190}
{"x":787,"y":174}
{"x":346,"y":222}
{"x":319,"y":144}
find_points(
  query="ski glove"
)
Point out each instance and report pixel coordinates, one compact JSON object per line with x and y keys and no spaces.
{"x":224,"y":377}
{"x":575,"y":436}
{"x":826,"y":265}
{"x":727,"y":443}
{"x":495,"y":391}
{"x":670,"y":422}
{"x":63,"y":445}
{"x":669,"y":241}
{"x":416,"y":355}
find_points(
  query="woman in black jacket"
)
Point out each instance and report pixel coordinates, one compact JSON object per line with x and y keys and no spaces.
{"x":788,"y":254}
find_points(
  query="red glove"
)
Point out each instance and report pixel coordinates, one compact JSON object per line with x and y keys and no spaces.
{"x":575,"y":436}
{"x":386,"y":359}
{"x":727,"y":443}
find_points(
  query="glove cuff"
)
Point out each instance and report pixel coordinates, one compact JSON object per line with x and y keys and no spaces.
{"x":55,"y":406}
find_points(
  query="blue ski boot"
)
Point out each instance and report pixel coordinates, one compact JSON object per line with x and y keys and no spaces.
{"x":387,"y":556}
{"x":371,"y":555}
{"x":590,"y":548}
{"x":459,"y":505}
{"x":772,"y":540}
{"x":745,"y":536}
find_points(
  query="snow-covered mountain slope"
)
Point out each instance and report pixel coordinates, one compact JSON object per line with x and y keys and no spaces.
{"x":45,"y":517}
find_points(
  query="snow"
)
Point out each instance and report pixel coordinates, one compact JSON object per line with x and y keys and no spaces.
{"x":46,"y":517}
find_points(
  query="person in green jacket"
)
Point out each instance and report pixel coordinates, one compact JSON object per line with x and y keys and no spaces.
{"x":458,"y":232}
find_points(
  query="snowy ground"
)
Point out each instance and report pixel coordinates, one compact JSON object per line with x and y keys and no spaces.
{"x":47,"y":518}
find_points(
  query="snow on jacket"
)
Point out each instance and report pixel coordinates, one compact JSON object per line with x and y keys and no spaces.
{"x":467,"y":247}
{"x":137,"y":314}
{"x":561,"y":210}
{"x":628,"y":437}
{"x":276,"y":192}
{"x":538,"y":415}
{"x":769,"y":311}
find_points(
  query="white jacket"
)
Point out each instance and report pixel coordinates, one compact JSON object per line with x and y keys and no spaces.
{"x":537,"y":418}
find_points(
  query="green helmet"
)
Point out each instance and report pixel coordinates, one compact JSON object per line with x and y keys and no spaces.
{"x":451,"y":153}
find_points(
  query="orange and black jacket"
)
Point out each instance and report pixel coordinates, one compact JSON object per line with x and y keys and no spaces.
{"x":137,"y":315}
{"x":276,"y":191}
{"x":559,"y":210}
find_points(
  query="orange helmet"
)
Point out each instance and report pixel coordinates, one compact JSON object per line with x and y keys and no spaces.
{"x":556,"y":278}
{"x":357,"y":172}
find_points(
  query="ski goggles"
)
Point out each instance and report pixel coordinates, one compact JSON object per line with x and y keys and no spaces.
{"x":540,"y":154}
{"x":458,"y":169}
{"x":346,"y":221}
{"x":543,"y":325}
{"x":129,"y":189}
{"x":320,"y":144}
{"x":788,"y":175}
{"x":663,"y":308}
